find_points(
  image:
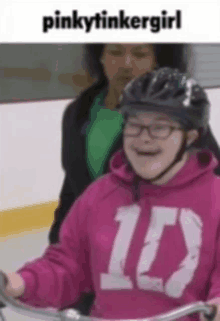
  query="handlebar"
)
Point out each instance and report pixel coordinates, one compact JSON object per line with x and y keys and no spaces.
{"x":209,"y":311}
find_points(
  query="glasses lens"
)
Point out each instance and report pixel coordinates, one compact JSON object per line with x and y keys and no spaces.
{"x":131,"y":129}
{"x":156,"y":130}
{"x":160,"y":131}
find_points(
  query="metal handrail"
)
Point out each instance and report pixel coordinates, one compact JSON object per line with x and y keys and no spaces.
{"x":71,"y":314}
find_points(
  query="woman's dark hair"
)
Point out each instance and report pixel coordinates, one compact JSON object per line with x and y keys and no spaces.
{"x":167,"y":55}
{"x":92,"y":60}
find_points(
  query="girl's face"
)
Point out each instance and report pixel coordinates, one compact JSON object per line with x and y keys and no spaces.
{"x":149,"y":156}
{"x":123,"y":62}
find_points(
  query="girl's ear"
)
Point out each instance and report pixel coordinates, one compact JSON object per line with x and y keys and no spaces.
{"x":192,"y":136}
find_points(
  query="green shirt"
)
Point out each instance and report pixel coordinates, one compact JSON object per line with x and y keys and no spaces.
{"x":104,"y":129}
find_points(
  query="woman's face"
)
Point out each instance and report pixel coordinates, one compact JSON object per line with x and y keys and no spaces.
{"x":123,"y":62}
{"x":162,"y":149}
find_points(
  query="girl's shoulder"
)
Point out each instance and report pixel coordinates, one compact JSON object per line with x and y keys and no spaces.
{"x":104,"y":185}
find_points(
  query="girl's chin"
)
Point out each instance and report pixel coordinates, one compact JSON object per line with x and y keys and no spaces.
{"x":148,"y":178}
{"x":147,"y":175}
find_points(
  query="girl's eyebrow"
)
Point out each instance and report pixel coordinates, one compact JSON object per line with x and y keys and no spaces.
{"x":156,"y":119}
{"x":159,"y":118}
{"x":140,"y":47}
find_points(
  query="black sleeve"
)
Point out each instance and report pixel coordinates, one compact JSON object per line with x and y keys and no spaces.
{"x":67,"y":198}
{"x":72,"y":156}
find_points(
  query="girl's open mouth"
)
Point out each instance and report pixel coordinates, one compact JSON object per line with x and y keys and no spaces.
{"x":150,"y":154}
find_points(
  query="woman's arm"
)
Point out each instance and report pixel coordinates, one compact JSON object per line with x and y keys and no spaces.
{"x":67,"y":195}
{"x":67,"y":198}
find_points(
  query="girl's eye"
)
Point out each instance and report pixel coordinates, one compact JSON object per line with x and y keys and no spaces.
{"x":141,"y":54}
{"x":116,"y":53}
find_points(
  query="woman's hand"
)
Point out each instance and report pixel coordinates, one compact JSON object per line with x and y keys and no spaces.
{"x":215,"y":302}
{"x":15,"y":286}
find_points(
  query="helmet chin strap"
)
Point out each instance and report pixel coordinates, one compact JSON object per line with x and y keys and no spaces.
{"x":177,"y":159}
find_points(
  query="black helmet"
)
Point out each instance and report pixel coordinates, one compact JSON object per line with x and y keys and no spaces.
{"x":171,"y":92}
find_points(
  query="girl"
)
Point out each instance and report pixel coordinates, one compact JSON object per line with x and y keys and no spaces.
{"x":145,"y":237}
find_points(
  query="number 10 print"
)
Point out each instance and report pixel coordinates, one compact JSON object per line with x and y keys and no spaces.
{"x":161,"y":216}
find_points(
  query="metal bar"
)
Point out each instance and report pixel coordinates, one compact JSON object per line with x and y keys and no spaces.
{"x":71,"y":314}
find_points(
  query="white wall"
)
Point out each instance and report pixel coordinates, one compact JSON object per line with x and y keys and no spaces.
{"x":30,"y":150}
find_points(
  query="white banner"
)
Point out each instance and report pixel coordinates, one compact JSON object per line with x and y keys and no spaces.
{"x":114,"y":21}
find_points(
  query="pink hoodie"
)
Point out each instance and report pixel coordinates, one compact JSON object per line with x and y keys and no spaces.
{"x":141,"y":257}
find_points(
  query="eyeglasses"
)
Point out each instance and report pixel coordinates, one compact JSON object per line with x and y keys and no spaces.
{"x":159,"y":131}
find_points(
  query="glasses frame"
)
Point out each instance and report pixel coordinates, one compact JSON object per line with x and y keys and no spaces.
{"x":148,"y":128}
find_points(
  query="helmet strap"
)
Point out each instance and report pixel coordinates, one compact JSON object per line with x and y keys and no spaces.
{"x":177,"y":159}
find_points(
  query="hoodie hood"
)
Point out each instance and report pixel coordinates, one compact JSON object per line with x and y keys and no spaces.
{"x":200,"y":163}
